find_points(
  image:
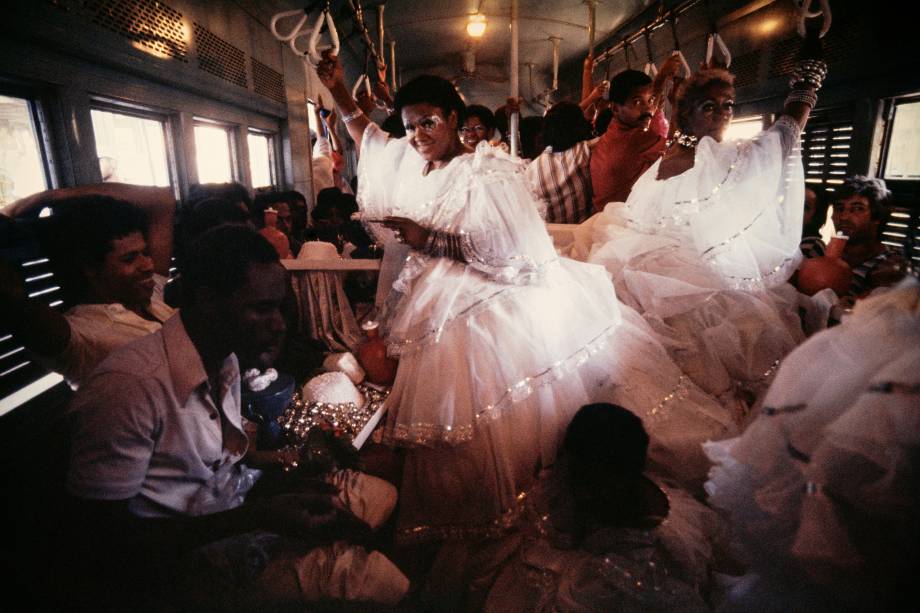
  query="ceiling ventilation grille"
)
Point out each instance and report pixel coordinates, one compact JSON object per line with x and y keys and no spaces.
{"x":220,"y":58}
{"x":267,"y":82}
{"x":840,"y":46}
{"x":746,"y":68}
{"x":150,"y":24}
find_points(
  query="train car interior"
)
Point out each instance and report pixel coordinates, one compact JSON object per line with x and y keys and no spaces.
{"x":175,"y":94}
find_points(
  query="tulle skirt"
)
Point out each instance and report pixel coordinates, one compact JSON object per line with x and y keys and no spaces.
{"x":821,"y":488}
{"x":489,"y":380}
{"x":727,"y":338}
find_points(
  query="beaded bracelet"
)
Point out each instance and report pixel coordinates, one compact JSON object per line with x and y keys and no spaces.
{"x":444,"y":245}
{"x":810,"y":72}
{"x":805,"y":96}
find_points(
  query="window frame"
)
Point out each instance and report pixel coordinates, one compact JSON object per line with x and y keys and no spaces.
{"x":890,"y":110}
{"x":906,"y":192}
{"x":232,"y":130}
{"x":166,"y":119}
{"x":36,"y":100}
{"x":272,"y":157}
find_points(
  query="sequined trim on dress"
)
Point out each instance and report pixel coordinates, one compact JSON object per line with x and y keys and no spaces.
{"x":399,"y":347}
{"x":494,"y":529}
{"x":423,"y":433}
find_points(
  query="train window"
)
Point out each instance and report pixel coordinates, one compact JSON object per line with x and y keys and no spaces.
{"x":131,"y":149}
{"x":261,"y":159}
{"x":744,"y":128}
{"x":903,"y":159}
{"x":213,"y":151}
{"x":311,"y":116}
{"x":22,"y":170}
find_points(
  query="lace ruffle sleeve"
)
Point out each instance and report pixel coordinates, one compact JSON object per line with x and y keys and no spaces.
{"x":494,"y":214}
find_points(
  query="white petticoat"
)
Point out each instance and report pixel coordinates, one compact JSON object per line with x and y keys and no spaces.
{"x":704,"y":257}
{"x":497,"y":354}
{"x":822,"y":487}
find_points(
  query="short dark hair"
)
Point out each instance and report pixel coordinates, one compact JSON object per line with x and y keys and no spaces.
{"x":602,"y":121}
{"x":87,"y":225}
{"x":486,"y":116}
{"x":393,"y":126}
{"x":872,"y":189}
{"x":531,"y":132}
{"x":79,"y":235}
{"x":210,"y":213}
{"x":605,"y":438}
{"x":327,"y":201}
{"x":818,"y":219}
{"x":264,"y":199}
{"x":564,"y":125}
{"x":234,"y":192}
{"x":220,"y":259}
{"x":429,"y":89}
{"x":501,"y":120}
{"x":693,"y":89}
{"x":623,"y":84}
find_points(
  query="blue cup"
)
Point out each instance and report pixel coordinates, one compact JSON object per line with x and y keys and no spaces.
{"x":265,"y":407}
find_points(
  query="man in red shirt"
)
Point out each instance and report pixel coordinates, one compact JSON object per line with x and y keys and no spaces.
{"x":636,"y":136}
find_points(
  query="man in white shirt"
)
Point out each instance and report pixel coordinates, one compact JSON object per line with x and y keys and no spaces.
{"x":99,"y":251}
{"x":157,"y":439}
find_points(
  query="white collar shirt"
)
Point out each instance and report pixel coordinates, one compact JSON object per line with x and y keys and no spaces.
{"x":98,"y":329}
{"x":147,"y":430}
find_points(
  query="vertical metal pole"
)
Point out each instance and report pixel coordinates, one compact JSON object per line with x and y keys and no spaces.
{"x":382,"y":49}
{"x":592,"y":11}
{"x":515,"y":118}
{"x":555,"y":40}
{"x":393,"y":65}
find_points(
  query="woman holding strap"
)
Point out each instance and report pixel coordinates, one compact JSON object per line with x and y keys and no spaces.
{"x":499,"y":340}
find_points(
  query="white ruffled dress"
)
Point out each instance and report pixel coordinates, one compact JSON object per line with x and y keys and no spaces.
{"x":705,"y":256}
{"x":822,"y":488}
{"x":496,"y":355}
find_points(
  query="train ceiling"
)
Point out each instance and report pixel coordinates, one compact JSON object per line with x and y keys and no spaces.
{"x":431,"y":35}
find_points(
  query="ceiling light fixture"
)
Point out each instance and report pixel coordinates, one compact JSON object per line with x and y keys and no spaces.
{"x":477,"y":25}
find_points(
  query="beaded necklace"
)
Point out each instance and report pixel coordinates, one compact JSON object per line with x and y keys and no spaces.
{"x":684,"y":140}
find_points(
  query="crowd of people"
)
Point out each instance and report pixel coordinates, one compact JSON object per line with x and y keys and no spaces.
{"x":636,"y":424}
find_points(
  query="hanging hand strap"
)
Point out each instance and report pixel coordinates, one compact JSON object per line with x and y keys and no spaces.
{"x":803,"y":8}
{"x":273,"y":26}
{"x":314,"y":55}
{"x":712,"y":41}
{"x":650,"y":69}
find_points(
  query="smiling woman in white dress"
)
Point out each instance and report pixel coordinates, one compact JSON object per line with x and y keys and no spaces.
{"x":708,"y":237}
{"x":499,"y":340}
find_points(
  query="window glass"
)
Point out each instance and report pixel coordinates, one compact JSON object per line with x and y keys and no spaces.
{"x":311,"y":117}
{"x":903,"y":153}
{"x":744,"y":128}
{"x":212,"y":150}
{"x":260,"y":159}
{"x":131,"y":149}
{"x":22,"y":172}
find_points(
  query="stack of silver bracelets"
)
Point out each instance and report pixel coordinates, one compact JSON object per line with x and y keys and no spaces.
{"x":807,"y":78}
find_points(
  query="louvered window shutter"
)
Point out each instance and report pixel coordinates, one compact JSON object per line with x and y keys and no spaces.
{"x":826,"y":147}
{"x":21,"y":378}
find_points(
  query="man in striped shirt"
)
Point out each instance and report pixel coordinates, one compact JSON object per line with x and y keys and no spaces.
{"x":560,"y":177}
{"x":860,"y":212}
